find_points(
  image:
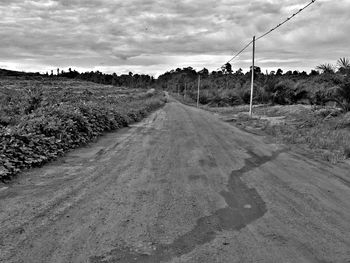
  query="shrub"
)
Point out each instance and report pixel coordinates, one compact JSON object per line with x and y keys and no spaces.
{"x":283,"y":92}
{"x":45,"y":132}
{"x":344,"y":93}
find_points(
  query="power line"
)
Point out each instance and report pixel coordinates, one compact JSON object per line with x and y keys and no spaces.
{"x":238,"y":53}
{"x":285,"y":21}
{"x":268,"y":32}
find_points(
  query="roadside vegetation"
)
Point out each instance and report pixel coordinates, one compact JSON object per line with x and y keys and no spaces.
{"x":323,"y":129}
{"x":311,"y":110}
{"x":44,"y":115}
{"x":42,"y":118}
{"x":327,"y":85}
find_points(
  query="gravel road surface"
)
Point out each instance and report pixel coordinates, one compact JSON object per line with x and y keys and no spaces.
{"x":180,"y":186}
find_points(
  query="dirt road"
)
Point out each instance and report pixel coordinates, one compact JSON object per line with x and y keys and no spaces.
{"x":181,"y":186}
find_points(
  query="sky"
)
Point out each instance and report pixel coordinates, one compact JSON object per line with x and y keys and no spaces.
{"x":154,"y":36}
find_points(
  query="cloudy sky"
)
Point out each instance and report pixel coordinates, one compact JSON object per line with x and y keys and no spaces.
{"x":153,"y":36}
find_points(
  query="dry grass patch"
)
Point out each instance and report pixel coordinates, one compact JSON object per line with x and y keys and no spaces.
{"x":325,"y":130}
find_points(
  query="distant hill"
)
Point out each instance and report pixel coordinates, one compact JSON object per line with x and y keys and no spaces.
{"x":6,"y":72}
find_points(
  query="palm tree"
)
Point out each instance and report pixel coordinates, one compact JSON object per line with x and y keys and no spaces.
{"x":326,"y":68}
{"x":344,"y":92}
{"x":343,"y":65}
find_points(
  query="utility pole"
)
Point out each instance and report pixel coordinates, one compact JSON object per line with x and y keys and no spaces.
{"x":252,"y":82}
{"x":185,"y":90}
{"x":199,"y":83}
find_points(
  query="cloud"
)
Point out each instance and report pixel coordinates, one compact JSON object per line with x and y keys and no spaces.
{"x":149,"y":35}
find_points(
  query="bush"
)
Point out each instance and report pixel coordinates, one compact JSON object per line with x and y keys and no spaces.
{"x":344,"y":93}
{"x":45,"y":132}
{"x":283,"y":93}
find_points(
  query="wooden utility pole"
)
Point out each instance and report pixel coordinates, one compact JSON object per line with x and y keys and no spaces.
{"x":199,"y":83}
{"x":252,"y":82}
{"x":185,"y":90}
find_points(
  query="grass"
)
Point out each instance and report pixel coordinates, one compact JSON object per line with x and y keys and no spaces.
{"x":324,"y":130}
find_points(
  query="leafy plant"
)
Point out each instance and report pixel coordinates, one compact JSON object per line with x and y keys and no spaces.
{"x":326,"y":68}
{"x":343,"y":65}
{"x":50,"y":121}
{"x":344,"y":93}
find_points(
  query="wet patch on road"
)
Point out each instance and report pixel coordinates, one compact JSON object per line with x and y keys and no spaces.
{"x":244,"y":205}
{"x":194,"y":177}
{"x":209,"y":162}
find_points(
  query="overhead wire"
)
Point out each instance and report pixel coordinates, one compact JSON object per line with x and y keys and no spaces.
{"x":285,"y":21}
{"x":268,"y":32}
{"x":238,"y":53}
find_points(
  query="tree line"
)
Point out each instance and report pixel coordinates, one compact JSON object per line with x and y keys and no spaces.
{"x":326,"y":83}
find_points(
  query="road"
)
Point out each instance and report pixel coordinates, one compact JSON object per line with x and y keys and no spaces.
{"x":180,"y":186}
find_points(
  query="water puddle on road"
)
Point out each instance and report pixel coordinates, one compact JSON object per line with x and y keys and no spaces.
{"x":244,"y":205}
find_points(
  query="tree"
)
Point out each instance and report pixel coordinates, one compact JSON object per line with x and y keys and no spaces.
{"x":314,"y":72}
{"x":279,"y":72}
{"x":257,"y":71}
{"x":239,"y":72}
{"x":343,"y":65}
{"x":227,"y":68}
{"x":204,"y":72}
{"x":344,"y":93}
{"x":326,"y":68}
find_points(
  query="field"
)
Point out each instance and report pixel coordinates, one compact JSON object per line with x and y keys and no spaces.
{"x":42,"y":118}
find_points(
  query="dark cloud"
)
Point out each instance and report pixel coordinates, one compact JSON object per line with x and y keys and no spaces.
{"x":153,"y":36}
